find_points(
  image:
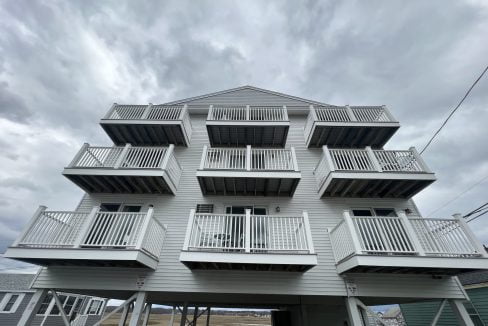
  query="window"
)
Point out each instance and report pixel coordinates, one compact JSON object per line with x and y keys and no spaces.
{"x":388,"y":212}
{"x":242,"y":210}
{"x":45,"y":304}
{"x":111,"y":207}
{"x":11,"y":302}
{"x":205,"y":208}
{"x":68,"y":302}
{"x":473,"y":314}
{"x":94,"y":307}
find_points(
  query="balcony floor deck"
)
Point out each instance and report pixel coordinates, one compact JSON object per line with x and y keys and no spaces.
{"x":215,"y":260}
{"x":138,"y":181}
{"x":351,"y":135}
{"x":242,"y":183}
{"x":404,"y":264}
{"x":375,"y":184}
{"x":263,"y":134}
{"x":146,"y":133}
{"x":82,"y":257}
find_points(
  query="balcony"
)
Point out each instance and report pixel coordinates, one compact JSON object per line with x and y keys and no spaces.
{"x":90,"y":239}
{"x":248,"y":172}
{"x":248,"y":242}
{"x":131,"y":170}
{"x":371,"y":173}
{"x":349,"y":126}
{"x":265,"y":126}
{"x":148,"y":125}
{"x":406,"y":245}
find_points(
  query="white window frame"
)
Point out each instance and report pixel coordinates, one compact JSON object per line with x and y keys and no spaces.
{"x":242,"y":205}
{"x":99,"y":310}
{"x":372,"y":210}
{"x":7,"y":298}
{"x":52,"y":303}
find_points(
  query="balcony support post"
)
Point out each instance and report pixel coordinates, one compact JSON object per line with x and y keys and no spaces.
{"x":40,"y":210}
{"x":32,"y":307}
{"x":328,"y":158}
{"x":146,"y":112}
{"x":139,"y":304}
{"x":248,"y":157}
{"x":460,"y":312}
{"x":60,"y":308}
{"x":294,"y":159}
{"x":350,"y":113}
{"x":145,"y":226}
{"x":189,"y":228}
{"x":78,"y":155}
{"x":412,"y":235}
{"x":308,"y":232}
{"x":86,"y":227}
{"x":167,"y":156}
{"x":285,"y":113}
{"x":248,"y":113}
{"x":122,"y":156}
{"x":110,"y":111}
{"x":210,"y":115}
{"x":204,"y":157}
{"x":472,"y":237}
{"x":373,"y":159}
{"x":438,"y":313}
{"x":352,"y":230}
{"x":247,"y":235}
{"x":419,"y":159}
{"x":353,"y":312}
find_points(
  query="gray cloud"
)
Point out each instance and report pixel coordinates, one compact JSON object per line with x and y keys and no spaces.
{"x":62,"y":64}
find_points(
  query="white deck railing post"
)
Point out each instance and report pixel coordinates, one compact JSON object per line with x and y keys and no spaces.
{"x":184,"y":109}
{"x":350,"y":113}
{"x":40,"y":210}
{"x":374,"y":160}
{"x":352,"y":230}
{"x":388,"y":113}
{"x":247,"y":234}
{"x":285,"y":113}
{"x":419,"y":159}
{"x":79,"y":154}
{"x":189,"y":227}
{"x":142,"y":236}
{"x":204,"y":157}
{"x":313,"y":113}
{"x":167,"y":156}
{"x":122,"y":156}
{"x":110,"y":111}
{"x":86,"y":226}
{"x":248,"y":157}
{"x":210,"y":113}
{"x":294,"y":159}
{"x":308,"y":232}
{"x":412,"y":235}
{"x":146,"y":112}
{"x":470,"y":234}
{"x":248,"y":112}
{"x":328,"y":158}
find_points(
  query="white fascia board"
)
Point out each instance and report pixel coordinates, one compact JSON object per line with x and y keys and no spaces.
{"x":378,"y":124}
{"x":412,"y":262}
{"x":81,"y":254}
{"x":115,"y":172}
{"x":246,"y":123}
{"x":249,"y":258}
{"x":243,"y":174}
{"x":140,"y":122}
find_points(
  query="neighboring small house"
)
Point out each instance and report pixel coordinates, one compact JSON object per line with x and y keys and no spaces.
{"x":393,"y":317}
{"x":476,"y":286}
{"x":16,"y":292}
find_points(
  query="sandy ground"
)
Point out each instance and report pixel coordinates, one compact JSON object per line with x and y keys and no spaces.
{"x":216,"y":320}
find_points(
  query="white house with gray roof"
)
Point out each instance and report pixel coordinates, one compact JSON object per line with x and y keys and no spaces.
{"x":249,"y":198}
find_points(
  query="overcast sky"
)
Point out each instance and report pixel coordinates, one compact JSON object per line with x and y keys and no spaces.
{"x":62,"y":64}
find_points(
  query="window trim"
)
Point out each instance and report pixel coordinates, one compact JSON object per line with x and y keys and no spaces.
{"x":372,"y":210}
{"x":241,"y":205}
{"x":16,"y":304}
{"x":99,"y":310}
{"x":52,"y":303}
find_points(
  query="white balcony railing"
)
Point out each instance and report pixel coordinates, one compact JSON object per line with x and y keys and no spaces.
{"x":404,"y":236}
{"x":147,"y":112}
{"x":248,"y":233}
{"x":247,"y":113}
{"x":128,"y":157}
{"x":54,"y":229}
{"x":368,"y":160}
{"x":249,"y":159}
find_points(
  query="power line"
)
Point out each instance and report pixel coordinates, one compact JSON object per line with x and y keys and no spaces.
{"x":477,"y":210}
{"x":457,"y":196}
{"x":481,"y":214}
{"x":455,"y":109}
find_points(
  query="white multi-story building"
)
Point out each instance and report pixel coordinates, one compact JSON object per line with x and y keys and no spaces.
{"x":250,"y":198}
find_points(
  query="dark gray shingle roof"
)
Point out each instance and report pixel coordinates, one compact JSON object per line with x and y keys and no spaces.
{"x":15,"y":282}
{"x":474,"y":278}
